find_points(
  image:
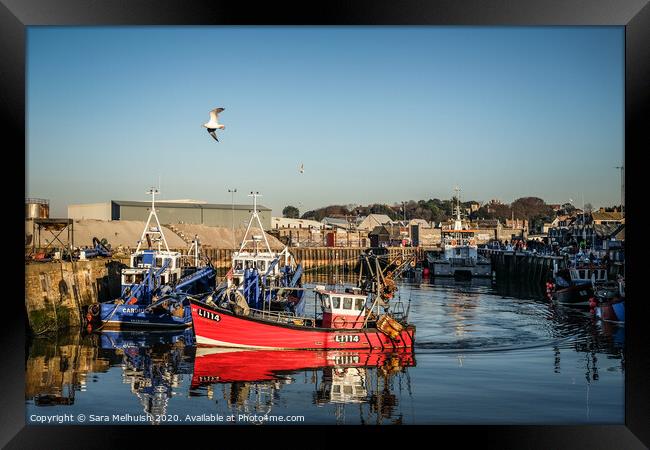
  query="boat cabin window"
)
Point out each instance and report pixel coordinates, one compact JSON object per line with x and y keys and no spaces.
{"x":239,"y":265}
{"x":359,"y":304}
{"x":336,"y":302}
{"x":261,"y":265}
{"x":133,"y":278}
{"x":347,"y":303}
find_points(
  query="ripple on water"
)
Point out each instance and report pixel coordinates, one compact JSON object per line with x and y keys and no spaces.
{"x":477,"y":319}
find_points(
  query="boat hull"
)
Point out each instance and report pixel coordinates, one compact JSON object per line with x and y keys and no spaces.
{"x":221,"y":328}
{"x":445,"y":269}
{"x":610,"y":311}
{"x":577,"y":295}
{"x":126,"y":316}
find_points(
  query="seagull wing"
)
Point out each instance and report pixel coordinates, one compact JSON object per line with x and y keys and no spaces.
{"x":213,"y":134}
{"x":214,"y":114}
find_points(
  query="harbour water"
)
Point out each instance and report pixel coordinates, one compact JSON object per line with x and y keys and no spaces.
{"x":484,"y":354}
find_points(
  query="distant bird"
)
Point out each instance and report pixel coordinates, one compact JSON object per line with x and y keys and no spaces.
{"x":213,"y":124}
{"x":301,"y":168}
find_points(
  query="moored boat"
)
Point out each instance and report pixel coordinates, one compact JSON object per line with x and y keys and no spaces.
{"x":348,"y":319}
{"x":575,"y":284}
{"x":157,"y":284}
{"x":459,"y":258}
{"x":610,"y":310}
{"x":608,"y":303}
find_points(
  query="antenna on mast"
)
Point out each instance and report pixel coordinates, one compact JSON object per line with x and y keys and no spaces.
{"x":158,"y":231}
{"x":254,"y":216}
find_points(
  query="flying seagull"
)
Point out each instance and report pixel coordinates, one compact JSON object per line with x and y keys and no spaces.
{"x":302,"y":168}
{"x":213,"y":124}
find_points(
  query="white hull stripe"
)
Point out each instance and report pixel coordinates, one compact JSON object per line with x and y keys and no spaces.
{"x":151,"y":324}
{"x":208,"y":341}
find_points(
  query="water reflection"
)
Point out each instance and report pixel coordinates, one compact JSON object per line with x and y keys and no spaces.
{"x":252,"y":379}
{"x":57,"y":368}
{"x":468,"y":334}
{"x":152,"y":364}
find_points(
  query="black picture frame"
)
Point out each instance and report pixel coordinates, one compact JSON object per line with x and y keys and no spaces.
{"x":16,"y":15}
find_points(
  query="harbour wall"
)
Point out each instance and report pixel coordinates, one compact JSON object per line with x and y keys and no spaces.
{"x":509,"y":266}
{"x":57,"y":291}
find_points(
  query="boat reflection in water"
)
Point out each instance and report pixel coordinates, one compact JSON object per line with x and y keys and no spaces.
{"x":153,"y":364}
{"x":345,"y":376}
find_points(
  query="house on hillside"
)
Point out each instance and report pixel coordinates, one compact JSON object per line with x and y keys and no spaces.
{"x":604,"y":217}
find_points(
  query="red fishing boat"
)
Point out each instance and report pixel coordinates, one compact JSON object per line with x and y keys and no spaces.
{"x":349,"y":319}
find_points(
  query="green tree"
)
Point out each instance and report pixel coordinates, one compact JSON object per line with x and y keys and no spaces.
{"x":290,"y":212}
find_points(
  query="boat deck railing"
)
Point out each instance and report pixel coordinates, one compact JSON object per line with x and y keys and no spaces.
{"x":282,"y":317}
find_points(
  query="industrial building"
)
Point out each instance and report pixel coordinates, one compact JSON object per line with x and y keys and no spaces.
{"x":172,"y":212}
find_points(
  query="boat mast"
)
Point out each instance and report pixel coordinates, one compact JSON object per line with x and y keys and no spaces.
{"x":161,"y":237}
{"x":458,"y":225}
{"x":254,"y":216}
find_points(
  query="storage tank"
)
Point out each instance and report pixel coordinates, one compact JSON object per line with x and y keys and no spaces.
{"x":37,"y":208}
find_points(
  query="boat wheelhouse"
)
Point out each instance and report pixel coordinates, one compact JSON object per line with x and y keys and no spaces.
{"x":266,"y":279}
{"x":342,"y":309}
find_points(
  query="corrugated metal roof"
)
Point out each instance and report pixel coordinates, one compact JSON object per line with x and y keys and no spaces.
{"x":191,"y":205}
{"x":335,"y":221}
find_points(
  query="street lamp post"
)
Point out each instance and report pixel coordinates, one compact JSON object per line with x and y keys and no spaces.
{"x":232,"y":204}
{"x":622,"y":189}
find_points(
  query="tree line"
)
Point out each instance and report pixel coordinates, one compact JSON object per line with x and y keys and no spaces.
{"x":533,"y":209}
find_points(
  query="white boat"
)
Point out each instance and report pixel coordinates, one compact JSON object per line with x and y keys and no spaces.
{"x":460,"y":256}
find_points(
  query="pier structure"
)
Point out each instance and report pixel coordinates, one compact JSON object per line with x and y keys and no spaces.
{"x":313,"y":258}
{"x":523,"y":266}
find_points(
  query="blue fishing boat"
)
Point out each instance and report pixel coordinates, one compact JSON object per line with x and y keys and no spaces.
{"x":260,"y":278}
{"x":157,"y":285}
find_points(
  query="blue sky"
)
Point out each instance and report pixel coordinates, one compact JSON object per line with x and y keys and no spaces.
{"x":375,"y":114}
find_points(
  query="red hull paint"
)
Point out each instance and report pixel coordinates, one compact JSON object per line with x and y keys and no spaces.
{"x":263,"y":365}
{"x":217,"y":327}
